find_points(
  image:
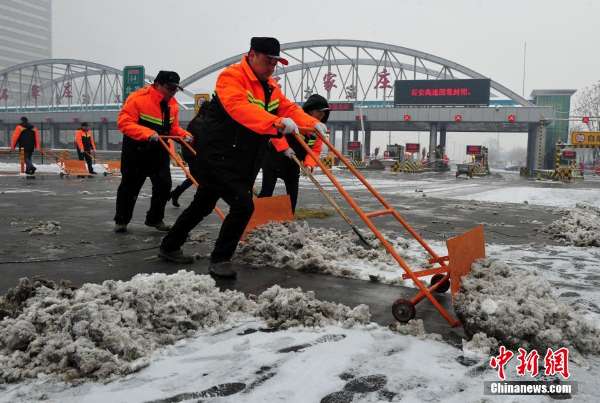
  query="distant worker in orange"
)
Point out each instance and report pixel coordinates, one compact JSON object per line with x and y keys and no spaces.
{"x":27,"y":137}
{"x":231,"y":133}
{"x":85,"y":146}
{"x":148,"y":113}
{"x":276,"y":165}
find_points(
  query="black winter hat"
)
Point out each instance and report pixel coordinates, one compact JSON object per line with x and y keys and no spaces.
{"x":168,"y":77}
{"x":317,"y":103}
{"x":268,"y":46}
{"x":24,"y":119}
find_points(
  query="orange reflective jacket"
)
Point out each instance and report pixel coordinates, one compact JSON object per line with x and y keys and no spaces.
{"x":316,"y":148}
{"x":16,"y":138}
{"x":243,"y":98}
{"x":82,"y":136}
{"x":142,"y":116}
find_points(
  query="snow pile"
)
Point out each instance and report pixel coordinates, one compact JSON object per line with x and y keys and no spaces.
{"x":416,"y":328}
{"x":44,"y":228}
{"x":284,"y":308}
{"x":11,"y":305}
{"x":296,"y":246}
{"x":520,"y":310}
{"x":100,"y":330}
{"x":579,"y":226}
{"x":480,"y":345}
{"x":198,"y":236}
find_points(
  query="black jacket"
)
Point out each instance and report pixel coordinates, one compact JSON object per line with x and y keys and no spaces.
{"x":221,"y":142}
{"x":27,"y":138}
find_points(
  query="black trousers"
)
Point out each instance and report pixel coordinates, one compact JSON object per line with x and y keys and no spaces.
{"x":27,"y":154}
{"x":88,"y":159}
{"x":216,"y":184}
{"x":279,"y":166}
{"x":135,"y":168}
{"x":182,"y":187}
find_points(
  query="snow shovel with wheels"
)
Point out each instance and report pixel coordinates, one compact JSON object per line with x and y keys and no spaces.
{"x":333,"y":203}
{"x":463,"y":250}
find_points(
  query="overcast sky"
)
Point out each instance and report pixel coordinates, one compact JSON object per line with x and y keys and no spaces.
{"x":486,"y":36}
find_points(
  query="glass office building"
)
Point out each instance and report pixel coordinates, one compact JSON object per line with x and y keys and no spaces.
{"x":25,"y":31}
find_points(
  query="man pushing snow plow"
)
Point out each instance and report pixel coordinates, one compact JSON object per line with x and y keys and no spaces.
{"x":230,"y":136}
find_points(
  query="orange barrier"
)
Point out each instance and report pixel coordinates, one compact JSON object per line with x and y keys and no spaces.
{"x":404,"y":310}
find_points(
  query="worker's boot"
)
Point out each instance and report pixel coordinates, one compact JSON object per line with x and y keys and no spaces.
{"x":161,"y":226}
{"x":175,"y":256}
{"x":120,"y":228}
{"x":222,"y":269}
{"x":174,"y":196}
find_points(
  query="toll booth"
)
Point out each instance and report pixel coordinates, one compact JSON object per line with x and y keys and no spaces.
{"x":411,"y":149}
{"x":395,"y":152}
{"x":441,"y":162}
{"x":478,"y":166}
{"x":567,"y":157}
{"x":355,"y":150}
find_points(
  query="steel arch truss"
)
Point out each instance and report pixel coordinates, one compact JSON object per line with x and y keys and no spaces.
{"x":356,"y":70}
{"x":60,"y":83}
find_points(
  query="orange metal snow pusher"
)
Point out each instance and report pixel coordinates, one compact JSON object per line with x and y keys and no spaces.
{"x":67,"y":165}
{"x":463,"y":249}
{"x":112,"y":167}
{"x":266,"y":209}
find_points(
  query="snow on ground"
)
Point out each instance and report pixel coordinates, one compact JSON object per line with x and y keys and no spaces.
{"x":44,"y":228}
{"x":102,"y":330}
{"x":520,"y":310}
{"x":552,"y":197}
{"x":14,"y":167}
{"x":361,"y":364}
{"x":573,"y":272}
{"x":305,"y":364}
{"x":297,"y":246}
{"x":579,"y":226}
{"x":479,"y":189}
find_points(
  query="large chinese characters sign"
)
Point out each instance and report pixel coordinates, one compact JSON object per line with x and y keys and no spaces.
{"x":442,"y":92}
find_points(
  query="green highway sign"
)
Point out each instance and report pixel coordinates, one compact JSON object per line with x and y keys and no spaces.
{"x":133,"y":78}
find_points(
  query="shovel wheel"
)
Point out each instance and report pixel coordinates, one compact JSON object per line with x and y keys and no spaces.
{"x":403,"y":310}
{"x":436,"y":278}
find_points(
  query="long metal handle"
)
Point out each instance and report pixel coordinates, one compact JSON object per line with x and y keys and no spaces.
{"x":332,"y":201}
{"x":181,"y":165}
{"x":181,"y":141}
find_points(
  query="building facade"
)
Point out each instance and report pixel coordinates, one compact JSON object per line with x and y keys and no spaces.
{"x":25,"y":31}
